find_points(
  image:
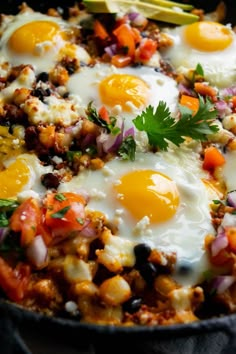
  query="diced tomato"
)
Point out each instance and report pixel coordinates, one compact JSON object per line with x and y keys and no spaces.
{"x":146,"y":49}
{"x":65,"y":214}
{"x":190,"y":102}
{"x":14,"y":282}
{"x":100,"y":31}
{"x":233,"y":100}
{"x":222,"y":258}
{"x":125,"y":38}
{"x":103,"y":113}
{"x":25,"y":220}
{"x":120,"y":61}
{"x":212,"y":158}
{"x":231,"y":236}
{"x":136,"y":34}
{"x":205,"y":90}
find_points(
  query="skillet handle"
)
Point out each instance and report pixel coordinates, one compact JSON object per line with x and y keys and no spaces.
{"x":10,"y":340}
{"x":231,"y":333}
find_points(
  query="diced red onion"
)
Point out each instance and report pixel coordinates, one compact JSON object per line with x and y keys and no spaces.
{"x":228,"y":220}
{"x":223,"y":108}
{"x":111,"y":49}
{"x":3,"y":233}
{"x":231,"y":199}
{"x":185,"y":90}
{"x":129,"y":132}
{"x":223,"y":282}
{"x":219,"y":243}
{"x":138,"y":19}
{"x":229,"y":91}
{"x":109,"y":142}
{"x":37,"y":252}
{"x":132,"y":15}
{"x":88,"y":140}
{"x":89,"y":231}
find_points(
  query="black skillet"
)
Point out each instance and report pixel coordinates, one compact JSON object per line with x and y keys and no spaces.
{"x":25,"y":332}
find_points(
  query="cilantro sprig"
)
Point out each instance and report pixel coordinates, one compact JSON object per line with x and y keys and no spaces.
{"x":127,"y":148}
{"x":94,"y":117}
{"x":7,"y":206}
{"x":162,"y":128}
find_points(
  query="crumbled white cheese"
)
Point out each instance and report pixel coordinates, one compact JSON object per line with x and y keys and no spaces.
{"x":117,"y":253}
{"x":53,"y":110}
{"x":181,"y":298}
{"x":25,"y":79}
{"x":71,"y":307}
{"x":142,"y":227}
{"x":96,"y":194}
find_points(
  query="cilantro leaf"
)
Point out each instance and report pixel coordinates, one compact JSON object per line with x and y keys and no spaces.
{"x":94,"y":117}
{"x":127,"y":149}
{"x":7,"y":206}
{"x":60,"y":197}
{"x":199,"y":70}
{"x":162,"y":128}
{"x":60,"y":213}
{"x":8,"y":203}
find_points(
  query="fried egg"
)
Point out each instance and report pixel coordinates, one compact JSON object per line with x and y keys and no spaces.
{"x":21,"y":177}
{"x":125,"y":92}
{"x":228,"y":170}
{"x":208,"y":43}
{"x":37,"y":39}
{"x":158,"y":199}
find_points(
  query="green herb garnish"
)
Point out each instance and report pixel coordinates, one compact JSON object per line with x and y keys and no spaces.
{"x":94,"y":117}
{"x":71,"y":155}
{"x":199,"y":70}
{"x":60,"y":197}
{"x":162,"y":128}
{"x":7,"y":206}
{"x":127,"y":149}
{"x":80,"y":221}
{"x":60,"y":213}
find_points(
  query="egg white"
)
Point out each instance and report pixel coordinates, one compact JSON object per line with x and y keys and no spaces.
{"x":229,"y":169}
{"x":85,"y":85}
{"x":46,"y":60}
{"x":184,"y":233}
{"x":219,"y":66}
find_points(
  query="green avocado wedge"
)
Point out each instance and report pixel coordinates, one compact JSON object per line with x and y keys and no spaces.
{"x":151,"y":11}
{"x":166,"y":3}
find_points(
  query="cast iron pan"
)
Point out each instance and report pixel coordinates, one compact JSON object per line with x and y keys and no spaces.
{"x":25,"y":332}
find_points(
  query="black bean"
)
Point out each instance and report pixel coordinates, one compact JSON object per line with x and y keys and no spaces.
{"x":133,"y":304}
{"x":184,"y":268}
{"x":148,"y":271}
{"x":41,"y":93}
{"x":142,"y":252}
{"x":49,"y":180}
{"x":43,"y":76}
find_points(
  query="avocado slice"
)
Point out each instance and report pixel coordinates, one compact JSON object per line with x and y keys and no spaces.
{"x":151,"y":11}
{"x":171,"y":4}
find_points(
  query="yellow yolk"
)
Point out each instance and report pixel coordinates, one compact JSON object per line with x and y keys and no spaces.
{"x":119,"y":89}
{"x":148,"y":193}
{"x":13,"y":179}
{"x":26,"y":38}
{"x":208,"y":36}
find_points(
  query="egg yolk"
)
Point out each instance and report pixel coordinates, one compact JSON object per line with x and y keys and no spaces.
{"x":120,"y":89}
{"x":27,"y":37}
{"x":208,"y":36}
{"x":13,"y":179}
{"x":148,"y":193}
